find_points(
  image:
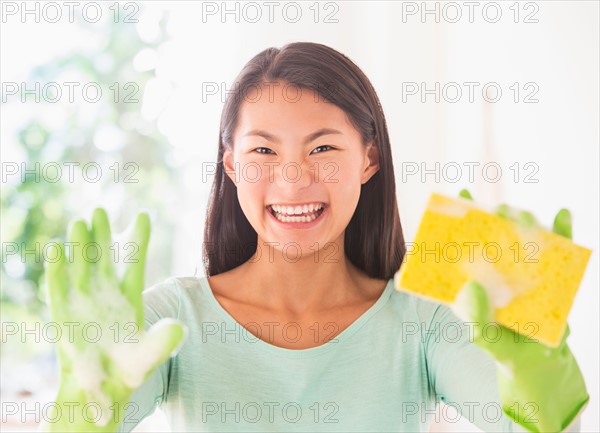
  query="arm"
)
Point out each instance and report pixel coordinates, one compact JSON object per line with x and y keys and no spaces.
{"x":462,"y":375}
{"x":160,"y":301}
{"x":145,"y":399}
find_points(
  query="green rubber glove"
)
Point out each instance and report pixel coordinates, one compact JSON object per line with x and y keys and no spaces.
{"x":540,"y":387}
{"x":104,"y":351}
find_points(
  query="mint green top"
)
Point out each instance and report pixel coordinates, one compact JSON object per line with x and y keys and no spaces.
{"x":386,"y":372}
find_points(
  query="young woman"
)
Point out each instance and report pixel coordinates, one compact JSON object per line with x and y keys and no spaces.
{"x":296,"y":325}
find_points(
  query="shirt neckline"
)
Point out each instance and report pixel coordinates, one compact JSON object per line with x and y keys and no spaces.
{"x":300,"y":353}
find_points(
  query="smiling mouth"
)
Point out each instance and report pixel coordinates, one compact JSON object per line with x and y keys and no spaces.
{"x":304,"y":217}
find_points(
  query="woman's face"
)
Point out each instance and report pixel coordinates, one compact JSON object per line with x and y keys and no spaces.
{"x":291,"y":148}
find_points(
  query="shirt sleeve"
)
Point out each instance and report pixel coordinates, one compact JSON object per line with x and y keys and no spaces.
{"x":464,"y":376}
{"x":160,"y":301}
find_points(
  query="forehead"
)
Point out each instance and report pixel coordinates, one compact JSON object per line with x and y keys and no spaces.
{"x":287,"y":109}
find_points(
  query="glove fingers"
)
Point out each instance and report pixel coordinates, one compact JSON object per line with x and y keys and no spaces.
{"x":563,"y":224}
{"x":527,"y":219}
{"x":522,"y":217}
{"x":80,"y":240}
{"x":163,"y":340}
{"x":472,"y":305}
{"x":464,"y":193}
{"x":159,"y":343}
{"x":133,"y":280}
{"x":57,"y":282}
{"x":101,"y":235}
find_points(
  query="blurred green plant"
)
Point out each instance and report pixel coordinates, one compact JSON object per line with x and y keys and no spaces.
{"x":34,"y":211}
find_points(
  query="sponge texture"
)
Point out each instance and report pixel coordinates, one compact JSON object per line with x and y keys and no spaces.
{"x":531,"y":274}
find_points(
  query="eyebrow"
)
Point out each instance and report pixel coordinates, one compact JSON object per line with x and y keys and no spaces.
{"x":311,"y":137}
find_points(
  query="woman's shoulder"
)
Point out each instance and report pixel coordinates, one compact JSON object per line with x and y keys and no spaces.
{"x":171,"y":287}
{"x":411,"y":304}
{"x":164,"y":299}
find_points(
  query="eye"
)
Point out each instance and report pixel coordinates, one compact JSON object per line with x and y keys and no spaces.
{"x":266,"y":148}
{"x":268,"y":151}
{"x":325,"y":145}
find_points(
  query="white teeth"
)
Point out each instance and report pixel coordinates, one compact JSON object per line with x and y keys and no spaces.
{"x":298,"y":210}
{"x":293,"y":216}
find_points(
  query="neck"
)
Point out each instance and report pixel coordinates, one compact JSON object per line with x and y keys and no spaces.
{"x":318,"y":280}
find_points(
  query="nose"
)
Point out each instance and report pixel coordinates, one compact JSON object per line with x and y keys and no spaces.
{"x":292,"y":176}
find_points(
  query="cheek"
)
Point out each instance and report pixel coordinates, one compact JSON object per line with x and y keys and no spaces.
{"x":345,"y":192}
{"x":251,"y":193}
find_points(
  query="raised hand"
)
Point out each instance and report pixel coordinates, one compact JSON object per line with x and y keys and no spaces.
{"x":541,"y":388}
{"x":104,"y":352}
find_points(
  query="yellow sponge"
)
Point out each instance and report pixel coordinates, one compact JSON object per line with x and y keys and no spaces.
{"x":531,"y":274}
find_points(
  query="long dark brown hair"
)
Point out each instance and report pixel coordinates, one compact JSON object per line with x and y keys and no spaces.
{"x":373,"y":240}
